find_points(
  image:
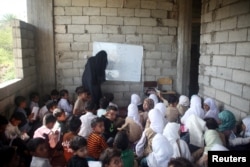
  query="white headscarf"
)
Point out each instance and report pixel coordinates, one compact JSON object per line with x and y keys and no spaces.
{"x":162,"y":152}
{"x":171,"y":132}
{"x":135,"y":99}
{"x":195,"y":109}
{"x":246,"y":122}
{"x":184,"y":100}
{"x":156,"y":120}
{"x":213,"y":111}
{"x":218,"y":147}
{"x":133,"y":113}
{"x":154,"y":98}
{"x":163,"y":109}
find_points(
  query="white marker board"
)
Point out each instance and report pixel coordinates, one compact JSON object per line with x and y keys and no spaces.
{"x":124,"y":61}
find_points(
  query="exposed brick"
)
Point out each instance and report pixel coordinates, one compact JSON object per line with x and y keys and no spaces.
{"x":60,"y":28}
{"x":205,"y":60}
{"x":99,"y":37}
{"x":210,"y":70}
{"x":73,"y":11}
{"x":218,"y":83}
{"x":223,"y":96}
{"x":153,"y":71}
{"x":212,"y":4}
{"x":204,"y":80}
{"x":82,"y":38}
{"x":109,"y":11}
{"x":163,"y":64}
{"x":62,"y":2}
{"x":142,"y":13}
{"x":239,"y":8}
{"x":238,"y":35}
{"x":62,"y":19}
{"x":63,"y":46}
{"x":159,"y":14}
{"x":153,"y":55}
{"x":240,"y":103}
{"x":114,"y":3}
{"x":222,"y":13}
{"x":148,"y":22}
{"x":172,"y":31}
{"x":149,"y":47}
{"x":93,"y":28}
{"x":115,"y":20}
{"x":77,"y":46}
{"x":58,"y":11}
{"x":150,"y":63}
{"x":165,"y":6}
{"x":63,"y":38}
{"x":228,"y":23}
{"x":235,"y":62}
{"x":97,"y":20}
{"x":131,"y":21}
{"x":212,"y":49}
{"x":144,"y":30}
{"x":241,"y":76}
{"x":233,"y":88}
{"x":207,"y":17}
{"x":150,"y":38}
{"x":76,"y":28}
{"x":160,"y":30}
{"x":166,"y":39}
{"x":169,"y":22}
{"x":80,"y":2}
{"x":243,"y":49}
{"x":71,"y":72}
{"x":244,"y":21}
{"x":246,"y":92}
{"x":91,"y":11}
{"x":126,"y":12}
{"x":80,"y":19}
{"x":247,"y":64}
{"x":224,"y":73}
{"x":228,"y":49}
{"x":148,"y":4}
{"x":133,"y":38}
{"x":110,"y":29}
{"x":206,"y":38}
{"x":221,"y":36}
{"x":64,"y":64}
{"x":132,"y":4}
{"x":220,"y":60}
{"x":98,"y":3}
{"x":116,"y":38}
{"x":128,"y":29}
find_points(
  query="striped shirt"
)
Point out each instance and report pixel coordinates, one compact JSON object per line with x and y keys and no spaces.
{"x":96,"y":145}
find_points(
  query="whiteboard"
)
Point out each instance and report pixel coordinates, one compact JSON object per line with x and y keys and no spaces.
{"x":124,"y":61}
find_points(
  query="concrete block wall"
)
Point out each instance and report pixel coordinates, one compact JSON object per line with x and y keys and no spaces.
{"x":151,"y":23}
{"x":25,"y":63}
{"x":225,"y":54}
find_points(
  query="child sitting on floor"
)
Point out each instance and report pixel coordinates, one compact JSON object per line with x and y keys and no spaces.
{"x":78,"y":145}
{"x":39,"y":150}
{"x":60,"y":124}
{"x":111,"y":158}
{"x":96,"y":142}
{"x":82,"y":98}
{"x":34,"y":99}
{"x":64,"y":103}
{"x":103,"y":106}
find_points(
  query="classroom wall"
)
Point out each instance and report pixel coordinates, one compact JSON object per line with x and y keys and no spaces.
{"x":152,"y":24}
{"x":25,"y":63}
{"x":224,"y":72}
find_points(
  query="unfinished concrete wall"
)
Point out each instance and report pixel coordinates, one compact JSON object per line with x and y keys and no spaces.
{"x":25,"y":63}
{"x":151,"y":23}
{"x":225,"y":54}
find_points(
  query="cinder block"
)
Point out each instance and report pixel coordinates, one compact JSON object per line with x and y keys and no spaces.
{"x":64,"y":64}
{"x":115,"y":20}
{"x":240,"y":103}
{"x":204,"y":80}
{"x":114,"y":3}
{"x":77,"y":46}
{"x":98,"y":3}
{"x":234,"y":110}
{"x":148,"y":4}
{"x":243,"y":49}
{"x":134,"y":38}
{"x":224,"y":3}
{"x":247,"y":64}
{"x":126,"y":12}
{"x":153,"y":71}
{"x":241,"y":76}
{"x":172,"y":72}
{"x":166,"y":39}
{"x":130,"y":21}
{"x":68,"y":56}
{"x":219,"y":60}
{"x":149,"y":47}
{"x":93,"y":28}
{"x":82,"y":38}
{"x":222,"y":13}
{"x":221,"y":36}
{"x":210,"y":70}
{"x":223,"y":96}
{"x":244,"y":21}
{"x":150,"y":38}
{"x":128,"y":29}
{"x":159,"y":14}
{"x":144,"y":30}
{"x":160,"y":30}
{"x":80,"y":2}
{"x":79,"y":64}
{"x":224,"y":73}
{"x":135,"y":4}
{"x":80,"y":19}
{"x":64,"y":38}
{"x":99,"y":37}
{"x":75,"y":11}
{"x":77,"y":80}
{"x":116,"y":38}
{"x":165,"y":48}
{"x":62,"y":2}
{"x":235,"y":62}
{"x":163,"y":64}
{"x":91,"y":11}
{"x":233,"y":88}
{"x":71,"y":72}
{"x":76,"y":29}
{"x":239,"y":8}
{"x":148,"y":22}
{"x":238,"y":35}
{"x":212,"y":49}
{"x":207,"y":17}
{"x":212,"y":4}
{"x":227,"y":49}
{"x":110,"y":29}
{"x":142,"y":13}
{"x":172,"y":31}
{"x":58,"y":11}
{"x":205,"y":38}
{"x":165,"y":5}
{"x":60,"y":28}
{"x":218,"y":83}
{"x":228,"y":24}
{"x":109,"y":11}
{"x":205,"y":60}
{"x":98,"y":20}
{"x":62,"y":19}
{"x":150,"y":63}
{"x":121,"y":88}
{"x":63,"y":47}
{"x":246,"y":92}
{"x":153,"y":55}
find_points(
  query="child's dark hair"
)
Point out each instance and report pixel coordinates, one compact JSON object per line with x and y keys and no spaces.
{"x":104,"y":103}
{"x":108,"y":154}
{"x":46,"y":99}
{"x":34,"y":143}
{"x":109,"y":96}
{"x":121,"y":140}
{"x":211,"y":123}
{"x":77,"y":142}
{"x":79,"y":90}
{"x":18,"y":100}
{"x":111,"y":108}
{"x":180,"y":162}
{"x":49,"y":118}
{"x":172,"y":99}
{"x":6,"y":153}
{"x":95,"y":121}
{"x":33,"y":95}
{"x":54,"y":92}
{"x":58,"y":112}
{"x":90,"y":105}
{"x":63,"y":92}
{"x":74,"y":124}
{"x":17,"y":116}
{"x":3,"y":120}
{"x":51,"y":104}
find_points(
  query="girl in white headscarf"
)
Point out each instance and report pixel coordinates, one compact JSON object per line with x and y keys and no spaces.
{"x":162,"y":152}
{"x":144,"y":146}
{"x":195,"y":109}
{"x":154,"y":98}
{"x":180,"y":147}
{"x":211,"y":109}
{"x":183,"y":104}
{"x":246,"y":127}
{"x":132,"y":124}
{"x":163,"y":109}
{"x":135,"y":99}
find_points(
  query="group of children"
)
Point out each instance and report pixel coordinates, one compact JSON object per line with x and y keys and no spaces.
{"x":153,"y":134}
